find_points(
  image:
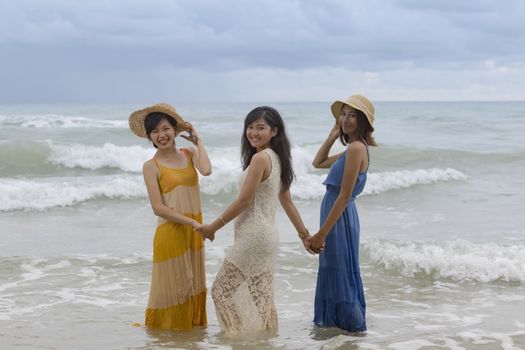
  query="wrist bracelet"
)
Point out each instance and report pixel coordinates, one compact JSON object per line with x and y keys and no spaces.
{"x":222,"y":219}
{"x":304,"y":234}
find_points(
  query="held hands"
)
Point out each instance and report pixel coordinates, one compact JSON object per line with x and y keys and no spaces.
{"x":206,"y":231}
{"x":316,"y":243}
{"x":306,"y":243}
{"x":197,"y":227}
{"x":192,"y":136}
{"x":312,"y":246}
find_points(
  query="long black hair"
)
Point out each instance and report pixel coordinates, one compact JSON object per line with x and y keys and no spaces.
{"x":364,"y":130}
{"x":153,"y":119}
{"x":279,"y":143}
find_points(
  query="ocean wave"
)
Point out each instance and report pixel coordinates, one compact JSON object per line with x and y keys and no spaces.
{"x":45,"y":193}
{"x":31,"y":194}
{"x":226,"y":169}
{"x":458,"y":260}
{"x":394,"y":180}
{"x":129,"y":158}
{"x":309,"y":186}
{"x":49,"y":121}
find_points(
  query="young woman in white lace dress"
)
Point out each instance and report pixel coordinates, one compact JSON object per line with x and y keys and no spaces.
{"x":243,"y":289}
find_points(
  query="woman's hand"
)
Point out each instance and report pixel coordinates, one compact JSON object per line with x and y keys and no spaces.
{"x":306,"y":244}
{"x":323,"y":159}
{"x":317,"y":243}
{"x":334,"y":133}
{"x":207,"y":232}
{"x":192,"y":136}
{"x":197,"y":227}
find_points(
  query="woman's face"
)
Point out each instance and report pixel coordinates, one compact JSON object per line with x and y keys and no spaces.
{"x":348,"y":120}
{"x":163,"y":135}
{"x":259,"y":134}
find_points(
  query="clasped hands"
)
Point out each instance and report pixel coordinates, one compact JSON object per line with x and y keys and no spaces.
{"x":206,"y":231}
{"x":314,"y":244}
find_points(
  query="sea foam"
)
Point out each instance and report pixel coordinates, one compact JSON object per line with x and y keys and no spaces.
{"x":458,"y":260}
{"x":44,"y":193}
{"x":49,"y":121}
{"x":227,"y":168}
{"x":38,"y":194}
{"x":130,"y":158}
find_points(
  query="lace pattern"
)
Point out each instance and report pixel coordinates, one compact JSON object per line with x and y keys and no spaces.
{"x":243,"y":289}
{"x":244,"y":303}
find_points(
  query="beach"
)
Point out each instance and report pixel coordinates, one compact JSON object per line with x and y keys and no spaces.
{"x":442,"y":230}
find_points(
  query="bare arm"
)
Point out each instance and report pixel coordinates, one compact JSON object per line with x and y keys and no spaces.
{"x":199,"y":155}
{"x":354,"y":158}
{"x":151,"y":173}
{"x":200,"y":158}
{"x":259,"y":166}
{"x":293,"y":214}
{"x":322,"y":159}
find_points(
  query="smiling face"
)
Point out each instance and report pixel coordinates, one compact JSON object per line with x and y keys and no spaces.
{"x":259,"y":134}
{"x":163,"y":134}
{"x":348,"y":120}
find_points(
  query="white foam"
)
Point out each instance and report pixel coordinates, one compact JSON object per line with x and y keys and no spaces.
{"x":458,"y":260}
{"x":411,"y":344}
{"x":309,"y":186}
{"x":394,"y":180}
{"x":37,"y":194}
{"x":483,"y":337}
{"x":227,"y":168}
{"x":226,"y":165}
{"x":225,"y":161}
{"x":34,"y":270}
{"x":92,"y":157}
{"x":31,"y":194}
{"x":48,"y":121}
{"x":16,"y":194}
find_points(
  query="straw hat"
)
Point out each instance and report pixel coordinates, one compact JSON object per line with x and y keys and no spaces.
{"x":136,"y":119}
{"x":358,"y":102}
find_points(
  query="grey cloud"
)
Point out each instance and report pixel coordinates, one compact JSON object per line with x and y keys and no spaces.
{"x":290,"y":34}
{"x":106,"y":42}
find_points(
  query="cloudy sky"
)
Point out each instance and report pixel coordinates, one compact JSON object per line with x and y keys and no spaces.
{"x":123,"y":51}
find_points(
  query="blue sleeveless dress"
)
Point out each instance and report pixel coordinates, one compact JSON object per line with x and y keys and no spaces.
{"x":339,"y":295}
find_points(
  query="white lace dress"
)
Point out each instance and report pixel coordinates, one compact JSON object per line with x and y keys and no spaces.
{"x":243,"y":289}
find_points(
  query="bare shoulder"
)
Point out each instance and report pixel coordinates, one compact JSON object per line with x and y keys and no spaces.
{"x":357,"y":146}
{"x":357,"y":150}
{"x":149,"y":167}
{"x":261,"y":156}
{"x":261,"y":159}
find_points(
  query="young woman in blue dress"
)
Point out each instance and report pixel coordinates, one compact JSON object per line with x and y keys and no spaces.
{"x":339,"y":296}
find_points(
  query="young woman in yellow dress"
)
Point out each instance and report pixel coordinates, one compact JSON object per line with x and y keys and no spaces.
{"x":177,"y":298}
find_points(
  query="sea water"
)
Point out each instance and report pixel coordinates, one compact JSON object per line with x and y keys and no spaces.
{"x":442,"y":227}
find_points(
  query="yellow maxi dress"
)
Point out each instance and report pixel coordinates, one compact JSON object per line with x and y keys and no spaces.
{"x":177,"y":298}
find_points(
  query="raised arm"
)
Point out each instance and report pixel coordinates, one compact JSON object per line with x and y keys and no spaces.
{"x":322,"y":159}
{"x":199,"y":155}
{"x":151,"y":173}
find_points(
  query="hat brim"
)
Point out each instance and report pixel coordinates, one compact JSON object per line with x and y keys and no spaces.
{"x":136,"y":119}
{"x":338,"y":105}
